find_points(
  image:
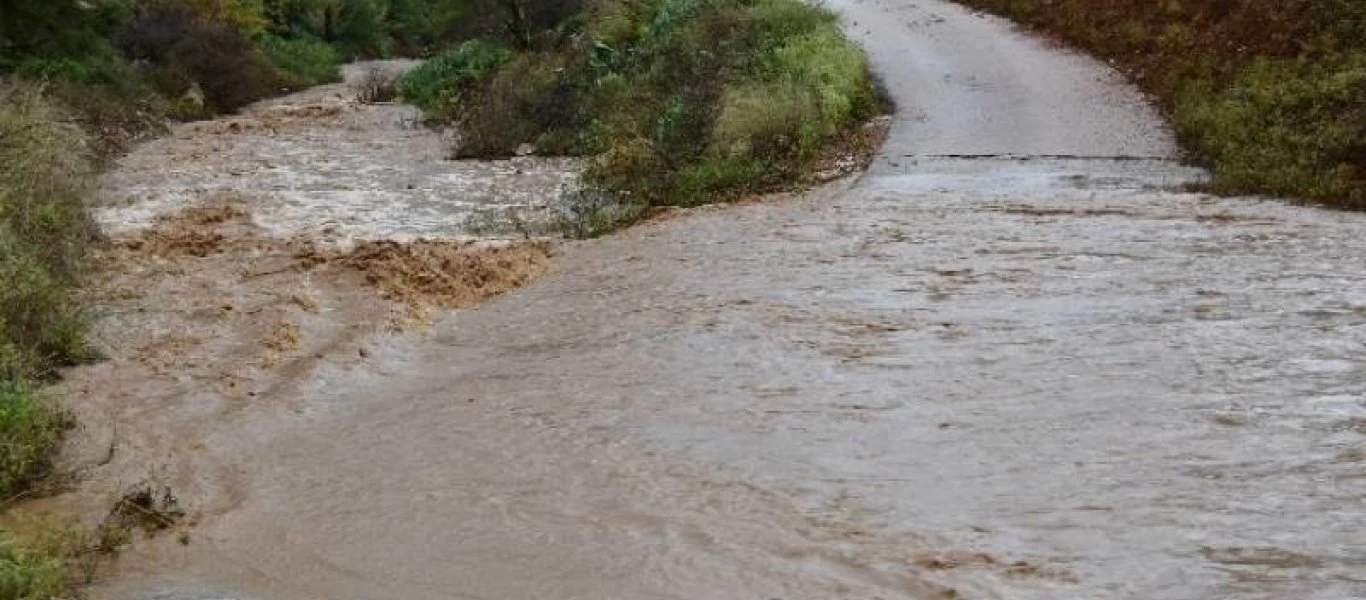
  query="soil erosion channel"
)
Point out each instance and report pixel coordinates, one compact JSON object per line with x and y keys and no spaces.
{"x":1008,"y":362}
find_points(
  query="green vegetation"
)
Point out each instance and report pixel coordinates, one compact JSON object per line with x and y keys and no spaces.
{"x":437,"y":86}
{"x":29,"y":429}
{"x":44,"y":172}
{"x":40,"y":557}
{"x":303,"y":61}
{"x":1271,"y":94}
{"x":679,"y":102}
{"x":27,"y":573}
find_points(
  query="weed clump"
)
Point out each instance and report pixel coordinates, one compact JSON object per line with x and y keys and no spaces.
{"x":29,"y":430}
{"x":27,"y":573}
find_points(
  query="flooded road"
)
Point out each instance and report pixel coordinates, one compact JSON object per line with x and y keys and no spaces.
{"x":1030,"y":372}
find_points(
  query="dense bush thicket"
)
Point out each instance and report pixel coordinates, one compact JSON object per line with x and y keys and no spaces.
{"x":677,"y":101}
{"x":1270,"y":93}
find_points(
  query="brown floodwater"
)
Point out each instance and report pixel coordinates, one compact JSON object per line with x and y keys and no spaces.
{"x":1011,"y":361}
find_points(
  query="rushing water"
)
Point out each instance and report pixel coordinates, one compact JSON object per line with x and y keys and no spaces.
{"x":1036,"y":374}
{"x":321,"y":161}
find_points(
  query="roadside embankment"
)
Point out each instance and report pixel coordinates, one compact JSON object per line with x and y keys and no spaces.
{"x":1268,"y":94}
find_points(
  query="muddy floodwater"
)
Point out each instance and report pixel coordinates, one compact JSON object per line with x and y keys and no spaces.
{"x":1012,"y":361}
{"x":319,"y":161}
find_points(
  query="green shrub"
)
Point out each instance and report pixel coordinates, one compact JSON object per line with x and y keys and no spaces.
{"x":528,"y":98}
{"x":837,"y":71}
{"x":438,"y":84}
{"x":767,"y":120}
{"x":679,"y":101}
{"x":304,"y":61}
{"x":29,"y":575}
{"x":29,"y":430}
{"x":1285,"y":128}
{"x":44,"y":173}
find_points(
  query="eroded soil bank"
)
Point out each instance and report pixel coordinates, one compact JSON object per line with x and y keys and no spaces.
{"x":1012,"y":364}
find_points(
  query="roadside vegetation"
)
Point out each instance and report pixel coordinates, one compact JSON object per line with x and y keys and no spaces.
{"x":676,"y":102}
{"x":44,"y":172}
{"x":1270,"y":94}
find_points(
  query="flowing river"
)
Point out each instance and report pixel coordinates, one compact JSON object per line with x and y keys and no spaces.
{"x":1013,"y":360}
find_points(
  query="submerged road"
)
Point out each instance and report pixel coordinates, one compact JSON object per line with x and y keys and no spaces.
{"x":1008,"y":362}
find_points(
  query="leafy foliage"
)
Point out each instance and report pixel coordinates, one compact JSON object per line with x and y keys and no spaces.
{"x":304,"y":60}
{"x":677,"y":101}
{"x":1286,"y":128}
{"x":44,"y":172}
{"x":438,"y":84}
{"x":26,"y":574}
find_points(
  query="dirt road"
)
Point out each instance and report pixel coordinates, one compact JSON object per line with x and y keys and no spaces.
{"x":1020,"y":375}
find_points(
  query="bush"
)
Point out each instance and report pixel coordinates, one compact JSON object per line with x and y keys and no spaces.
{"x":526,"y":99}
{"x":179,"y":51}
{"x":679,"y":101}
{"x":303,"y":61}
{"x":28,"y":575}
{"x":438,"y":84}
{"x":29,"y":430}
{"x":1285,"y":128}
{"x":44,"y":172}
